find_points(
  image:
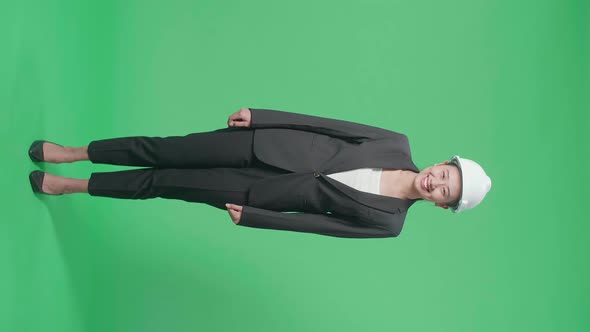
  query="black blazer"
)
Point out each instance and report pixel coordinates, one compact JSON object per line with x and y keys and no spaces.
{"x":311,"y":147}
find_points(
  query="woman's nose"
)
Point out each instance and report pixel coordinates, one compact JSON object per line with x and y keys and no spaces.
{"x":436,"y":181}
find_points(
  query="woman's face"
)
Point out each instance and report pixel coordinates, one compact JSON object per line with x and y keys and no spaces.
{"x":440,"y":184}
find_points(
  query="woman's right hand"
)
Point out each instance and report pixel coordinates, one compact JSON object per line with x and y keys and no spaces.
{"x":241,"y":118}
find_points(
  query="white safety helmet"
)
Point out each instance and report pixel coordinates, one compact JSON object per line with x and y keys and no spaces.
{"x":475,"y":183}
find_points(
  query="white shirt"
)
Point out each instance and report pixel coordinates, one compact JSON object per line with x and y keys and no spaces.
{"x":363,"y":179}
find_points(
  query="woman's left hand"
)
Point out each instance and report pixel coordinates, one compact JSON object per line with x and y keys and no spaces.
{"x":235,"y":212}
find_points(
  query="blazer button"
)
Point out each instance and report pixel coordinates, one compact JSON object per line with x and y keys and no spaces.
{"x":316,"y":174}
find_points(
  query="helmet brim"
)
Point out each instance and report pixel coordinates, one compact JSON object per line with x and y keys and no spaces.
{"x":456,"y":160}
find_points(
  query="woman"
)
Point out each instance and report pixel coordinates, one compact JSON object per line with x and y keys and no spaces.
{"x":346,"y":179}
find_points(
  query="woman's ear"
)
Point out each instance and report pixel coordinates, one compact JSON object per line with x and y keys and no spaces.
{"x":444,"y":206}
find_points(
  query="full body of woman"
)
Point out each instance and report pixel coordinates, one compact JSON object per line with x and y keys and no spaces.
{"x":345,"y":179}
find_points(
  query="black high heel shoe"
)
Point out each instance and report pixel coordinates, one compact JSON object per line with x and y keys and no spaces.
{"x":36,"y":179}
{"x":36,"y":150}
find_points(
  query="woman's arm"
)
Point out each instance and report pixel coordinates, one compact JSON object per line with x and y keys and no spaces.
{"x":309,"y":223}
{"x":265,"y":118}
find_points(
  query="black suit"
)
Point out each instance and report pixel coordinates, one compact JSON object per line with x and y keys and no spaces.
{"x":291,"y":152}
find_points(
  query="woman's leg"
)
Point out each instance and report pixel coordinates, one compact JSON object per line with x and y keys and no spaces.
{"x":57,"y":154}
{"x":215,"y":186}
{"x":228,"y":147}
{"x":54,"y":184}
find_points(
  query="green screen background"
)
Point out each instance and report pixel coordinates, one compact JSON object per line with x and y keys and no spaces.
{"x":502,"y":82}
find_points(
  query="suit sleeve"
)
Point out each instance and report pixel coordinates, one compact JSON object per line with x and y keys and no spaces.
{"x":265,"y":118}
{"x":321,"y":224}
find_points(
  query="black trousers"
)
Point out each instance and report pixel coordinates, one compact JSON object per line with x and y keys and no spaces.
{"x":214,"y":168}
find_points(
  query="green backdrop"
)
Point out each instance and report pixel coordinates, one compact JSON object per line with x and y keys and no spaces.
{"x":505,"y":83}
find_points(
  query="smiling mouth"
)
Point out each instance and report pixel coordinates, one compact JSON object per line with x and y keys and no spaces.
{"x":425,"y":183}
